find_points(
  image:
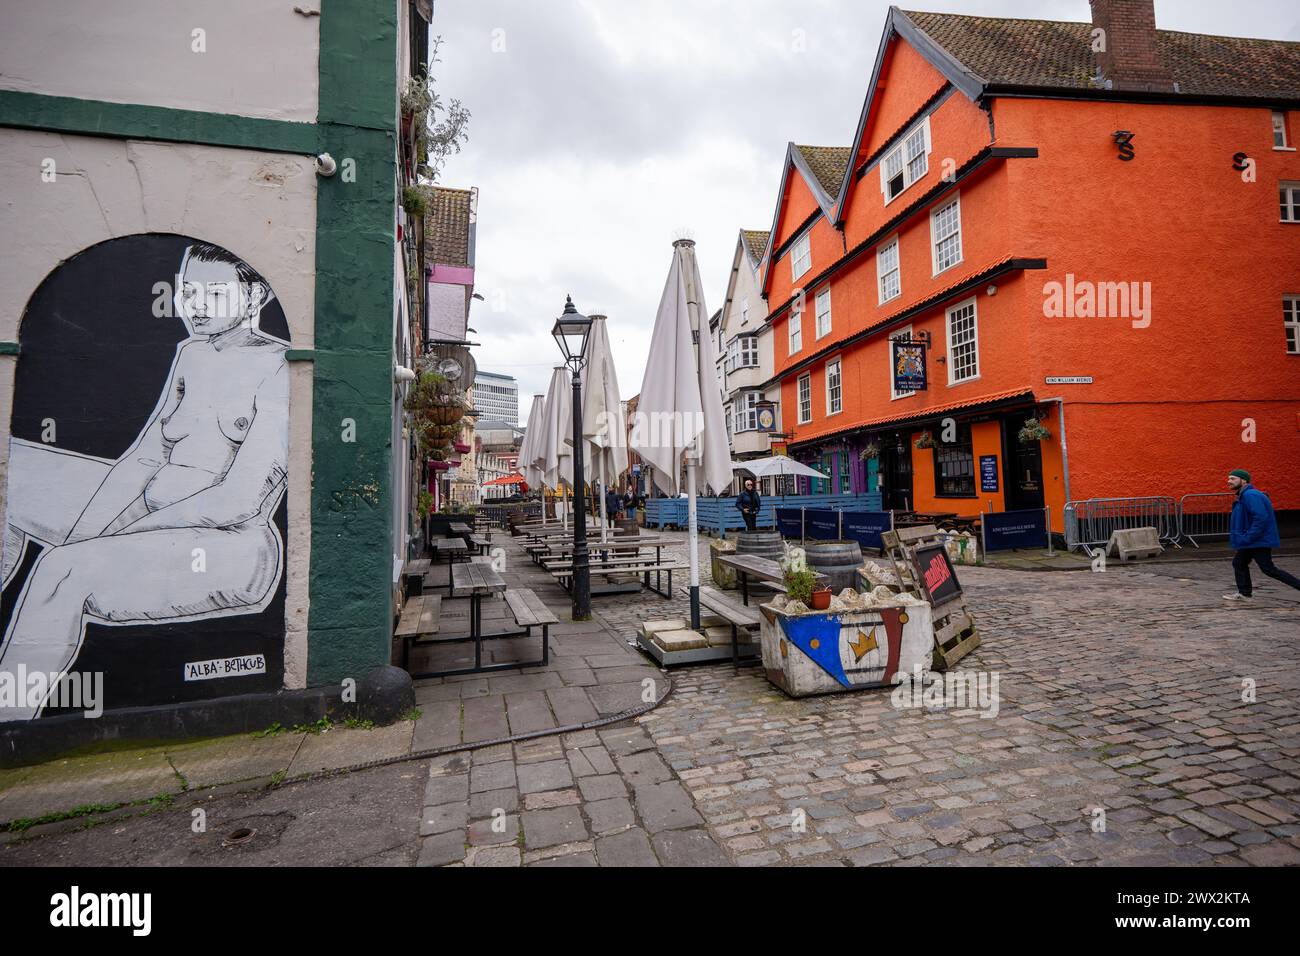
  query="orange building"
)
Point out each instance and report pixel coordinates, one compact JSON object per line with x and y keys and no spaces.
{"x":1083,"y":219}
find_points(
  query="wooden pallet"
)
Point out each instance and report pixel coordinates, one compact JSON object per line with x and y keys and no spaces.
{"x":955,"y":634}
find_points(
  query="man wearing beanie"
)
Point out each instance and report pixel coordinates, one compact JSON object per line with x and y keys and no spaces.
{"x":1253,"y":535}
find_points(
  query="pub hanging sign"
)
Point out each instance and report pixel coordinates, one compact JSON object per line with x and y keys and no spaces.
{"x":909,"y":363}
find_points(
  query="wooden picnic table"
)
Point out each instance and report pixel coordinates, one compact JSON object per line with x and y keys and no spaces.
{"x":479,"y":580}
{"x":450,"y":547}
{"x":751,"y":565}
{"x":460,"y":527}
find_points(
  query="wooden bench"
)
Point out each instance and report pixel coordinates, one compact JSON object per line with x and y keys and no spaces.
{"x":530,"y":612}
{"x":420,"y":618}
{"x":480,"y":543}
{"x":737,"y":615}
{"x":643,"y":569}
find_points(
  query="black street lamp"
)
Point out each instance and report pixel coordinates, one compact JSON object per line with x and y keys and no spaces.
{"x":571,"y":330}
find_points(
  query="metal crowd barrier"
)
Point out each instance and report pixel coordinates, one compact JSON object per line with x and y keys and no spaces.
{"x":1089,"y":524}
{"x":1205,"y":516}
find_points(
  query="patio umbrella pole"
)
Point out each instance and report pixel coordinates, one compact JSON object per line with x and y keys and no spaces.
{"x":604,"y":493}
{"x":693,"y":539}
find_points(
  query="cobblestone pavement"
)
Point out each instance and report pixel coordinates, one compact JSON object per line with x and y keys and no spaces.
{"x":1139,"y":720}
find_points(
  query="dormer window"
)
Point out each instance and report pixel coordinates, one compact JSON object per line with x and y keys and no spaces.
{"x":907,"y":162}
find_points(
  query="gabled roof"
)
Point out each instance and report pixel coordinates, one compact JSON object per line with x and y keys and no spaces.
{"x":823,"y":169}
{"x":827,"y":164}
{"x":755,"y":241}
{"x":448,"y":227}
{"x":991,"y":56}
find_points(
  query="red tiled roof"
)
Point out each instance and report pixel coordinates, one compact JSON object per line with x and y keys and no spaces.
{"x":1056,"y":54}
{"x":921,"y":413}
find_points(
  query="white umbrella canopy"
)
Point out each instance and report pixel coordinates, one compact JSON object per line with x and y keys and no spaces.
{"x":604,"y":445}
{"x":528,"y":454}
{"x":557,"y":446}
{"x":680,"y":413}
{"x":777,"y":466}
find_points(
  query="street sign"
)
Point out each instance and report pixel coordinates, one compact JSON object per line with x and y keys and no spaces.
{"x":1069,"y":380}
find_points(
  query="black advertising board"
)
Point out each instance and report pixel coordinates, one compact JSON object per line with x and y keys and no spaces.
{"x":936,"y":575}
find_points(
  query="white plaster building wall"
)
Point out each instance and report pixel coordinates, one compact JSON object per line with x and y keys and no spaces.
{"x":144,"y":51}
{"x":744,"y":285}
{"x":261,"y":206}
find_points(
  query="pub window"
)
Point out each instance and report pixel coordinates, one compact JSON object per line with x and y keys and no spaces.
{"x":834,"y":388}
{"x":805,"y":399}
{"x":1279,"y":130}
{"x":1290,"y":201}
{"x":1291,"y":319}
{"x":800,"y":257}
{"x":954,"y":466}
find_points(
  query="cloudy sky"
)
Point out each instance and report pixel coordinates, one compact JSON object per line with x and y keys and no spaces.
{"x":604,"y":129}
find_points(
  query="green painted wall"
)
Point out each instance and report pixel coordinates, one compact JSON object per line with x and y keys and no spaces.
{"x":350,"y":625}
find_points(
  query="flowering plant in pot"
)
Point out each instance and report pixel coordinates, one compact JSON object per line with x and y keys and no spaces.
{"x":871,"y":452}
{"x":1033,"y":431}
{"x":926,"y":440}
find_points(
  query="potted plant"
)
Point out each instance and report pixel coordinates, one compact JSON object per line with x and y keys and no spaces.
{"x":871,"y":452}
{"x":821,"y":598}
{"x":926,"y":440}
{"x":1033,"y":431}
{"x":799,"y":584}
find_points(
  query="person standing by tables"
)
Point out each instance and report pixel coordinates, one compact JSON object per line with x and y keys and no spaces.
{"x":613,"y":505}
{"x":749,"y":502}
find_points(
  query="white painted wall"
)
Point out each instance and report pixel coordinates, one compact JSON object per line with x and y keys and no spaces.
{"x":260,"y":206}
{"x":260,"y":56}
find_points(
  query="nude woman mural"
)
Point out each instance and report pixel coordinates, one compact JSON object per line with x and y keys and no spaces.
{"x":181,"y":527}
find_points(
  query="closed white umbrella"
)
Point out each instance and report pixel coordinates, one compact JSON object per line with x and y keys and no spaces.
{"x":528,"y":455}
{"x":679,"y":414}
{"x":604,"y":433}
{"x":557,"y":447}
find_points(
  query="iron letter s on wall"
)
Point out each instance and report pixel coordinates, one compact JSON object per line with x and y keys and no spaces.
{"x":1124,"y":139}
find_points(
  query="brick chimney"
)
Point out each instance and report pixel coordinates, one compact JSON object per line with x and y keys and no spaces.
{"x":1130,"y":59}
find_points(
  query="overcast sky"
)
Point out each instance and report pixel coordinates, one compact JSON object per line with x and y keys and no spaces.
{"x":604,"y":129}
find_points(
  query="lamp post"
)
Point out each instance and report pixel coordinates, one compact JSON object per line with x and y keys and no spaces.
{"x":571,"y":330}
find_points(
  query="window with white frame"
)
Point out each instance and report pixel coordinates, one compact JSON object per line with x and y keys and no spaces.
{"x":800,"y":257}
{"x":1279,"y":130}
{"x":744,"y":311}
{"x":963,"y":343}
{"x":888,"y":272}
{"x":805,"y":399}
{"x":834,"y":388}
{"x":907,"y":162}
{"x":823,"y":309}
{"x":945,"y":235}
{"x":747,"y":412}
{"x":796,"y":329}
{"x":900,"y":334}
{"x":742,"y":352}
{"x":1290,"y":199}
{"x":1291,"y":320}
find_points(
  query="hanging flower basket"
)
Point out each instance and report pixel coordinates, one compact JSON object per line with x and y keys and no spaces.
{"x":1033,"y":431}
{"x":461,"y":447}
{"x":446,"y":414}
{"x":871,"y":452}
{"x":926,"y":440}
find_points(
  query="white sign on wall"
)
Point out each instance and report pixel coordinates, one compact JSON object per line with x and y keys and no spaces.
{"x":226,"y":667}
{"x":1069,"y":380}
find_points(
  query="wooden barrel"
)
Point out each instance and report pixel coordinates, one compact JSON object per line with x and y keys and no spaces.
{"x":838,"y":560}
{"x":624,"y":527}
{"x":763,"y":544}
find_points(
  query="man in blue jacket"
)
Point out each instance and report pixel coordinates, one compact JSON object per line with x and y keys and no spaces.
{"x":1253,"y":535}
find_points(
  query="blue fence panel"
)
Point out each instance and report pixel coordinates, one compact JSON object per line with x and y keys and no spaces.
{"x":721,"y":514}
{"x":1004,"y":530}
{"x":821,"y":524}
{"x":788,"y":522}
{"x":866,"y":527}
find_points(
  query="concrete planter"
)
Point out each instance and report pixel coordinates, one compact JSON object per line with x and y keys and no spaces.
{"x":723,"y":576}
{"x":861,"y":643}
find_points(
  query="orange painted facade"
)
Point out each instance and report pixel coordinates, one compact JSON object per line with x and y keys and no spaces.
{"x":1172,"y":389}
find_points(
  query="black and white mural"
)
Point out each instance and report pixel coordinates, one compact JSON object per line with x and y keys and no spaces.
{"x":145,"y":515}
